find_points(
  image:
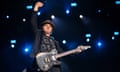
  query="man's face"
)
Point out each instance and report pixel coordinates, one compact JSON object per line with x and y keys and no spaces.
{"x":47,"y":28}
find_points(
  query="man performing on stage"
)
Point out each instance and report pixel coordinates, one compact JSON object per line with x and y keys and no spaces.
{"x":43,"y":41}
{"x":46,"y":50}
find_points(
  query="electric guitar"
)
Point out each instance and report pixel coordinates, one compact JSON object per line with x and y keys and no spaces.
{"x":45,"y":60}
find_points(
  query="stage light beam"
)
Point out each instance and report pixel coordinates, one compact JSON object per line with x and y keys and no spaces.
{"x":87,"y":40}
{"x":113,"y":38}
{"x":87,"y":35}
{"x":67,"y":11}
{"x":7,"y":17}
{"x":117,"y":2}
{"x":12,"y":41}
{"x":12,"y":45}
{"x":26,"y":50}
{"x":99,"y":11}
{"x":64,"y":41}
{"x":81,"y":16}
{"x":29,"y":7}
{"x":38,"y":13}
{"x":116,"y":33}
{"x":99,"y":44}
{"x":24,"y":20}
{"x":52,"y":16}
{"x":73,"y":4}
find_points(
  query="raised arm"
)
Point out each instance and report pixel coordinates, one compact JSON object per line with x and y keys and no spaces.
{"x":34,"y":17}
{"x":35,"y":46}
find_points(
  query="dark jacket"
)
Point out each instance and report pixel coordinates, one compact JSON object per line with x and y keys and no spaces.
{"x":36,"y":46}
{"x":38,"y":37}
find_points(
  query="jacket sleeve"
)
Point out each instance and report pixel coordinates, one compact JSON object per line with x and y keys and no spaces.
{"x":34,"y":22}
{"x":35,"y":46}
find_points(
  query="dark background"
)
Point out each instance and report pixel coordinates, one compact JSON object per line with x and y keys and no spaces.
{"x":69,"y":27}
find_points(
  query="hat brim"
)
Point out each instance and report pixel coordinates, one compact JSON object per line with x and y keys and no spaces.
{"x":47,"y":22}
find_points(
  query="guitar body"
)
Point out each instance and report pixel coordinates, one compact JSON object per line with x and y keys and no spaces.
{"x":45,"y":60}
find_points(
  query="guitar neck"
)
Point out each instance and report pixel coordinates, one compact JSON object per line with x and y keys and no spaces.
{"x":65,"y":53}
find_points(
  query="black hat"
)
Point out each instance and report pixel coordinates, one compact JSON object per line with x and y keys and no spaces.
{"x":47,"y":22}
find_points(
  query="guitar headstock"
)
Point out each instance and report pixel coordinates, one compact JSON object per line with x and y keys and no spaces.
{"x":82,"y":48}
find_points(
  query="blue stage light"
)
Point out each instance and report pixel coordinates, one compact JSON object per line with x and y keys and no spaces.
{"x":99,"y":10}
{"x":7,"y":17}
{"x":38,"y":13}
{"x":26,"y":49}
{"x":24,"y":20}
{"x":12,"y":45}
{"x":64,"y":41}
{"x":117,"y":2}
{"x":87,"y":35}
{"x":99,"y":44}
{"x":81,"y":16}
{"x":73,"y":4}
{"x":87,"y":40}
{"x":29,"y":7}
{"x":116,"y":33}
{"x":13,"y":41}
{"x":67,"y":11}
{"x":52,"y":17}
{"x":113,"y":37}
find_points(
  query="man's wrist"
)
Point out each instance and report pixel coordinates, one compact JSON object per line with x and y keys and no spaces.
{"x":35,"y":9}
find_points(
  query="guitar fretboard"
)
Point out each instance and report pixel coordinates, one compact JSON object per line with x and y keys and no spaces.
{"x":65,"y":54}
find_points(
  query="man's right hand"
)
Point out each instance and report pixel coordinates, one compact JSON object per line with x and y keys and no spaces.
{"x":37,"y":6}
